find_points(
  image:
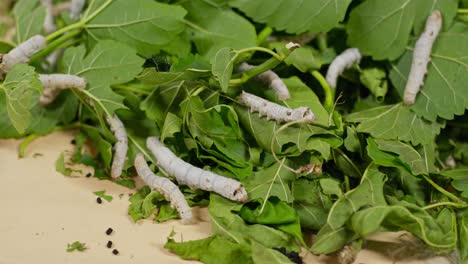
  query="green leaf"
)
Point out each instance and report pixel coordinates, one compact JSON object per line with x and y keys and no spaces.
{"x":381,"y":29}
{"x":448,"y":8}
{"x":108,"y":63}
{"x":460,"y":179}
{"x":60,"y":166}
{"x":295,"y":16}
{"x":166,"y":212}
{"x":395,"y":122}
{"x":172,"y":125}
{"x":352,"y":142}
{"x":463,"y":240}
{"x":222,"y":66}
{"x":264,"y":255}
{"x":21,"y":88}
{"x":368,"y":193}
{"x":29,"y":19}
{"x":164,"y":99}
{"x":444,"y":93}
{"x":439,"y":232}
{"x":331,"y":187}
{"x":306,"y":59}
{"x":77,"y":245}
{"x":226,"y":223}
{"x":135,"y":209}
{"x":416,"y":162}
{"x":211,"y":250}
{"x":276,"y":212}
{"x":143,"y":24}
{"x":271,"y":181}
{"x":311,"y":204}
{"x":103,"y":146}
{"x":212,"y":28}
{"x":303,"y":137}
{"x":104,"y":196}
{"x":375,"y":79}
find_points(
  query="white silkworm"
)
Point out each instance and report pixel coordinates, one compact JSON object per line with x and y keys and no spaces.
{"x":342,"y":62}
{"x":120,"y":147}
{"x":279,"y":113}
{"x":194,"y":177}
{"x":49,"y":23}
{"x":421,"y":57}
{"x":23,"y":52}
{"x":75,"y":8}
{"x":272,"y":79}
{"x":53,"y":84}
{"x":165,"y":187}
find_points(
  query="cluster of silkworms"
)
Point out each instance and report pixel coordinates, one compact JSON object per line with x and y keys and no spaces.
{"x":273,"y":111}
{"x":421,"y":57}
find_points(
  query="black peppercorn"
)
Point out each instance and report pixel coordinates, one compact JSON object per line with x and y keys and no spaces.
{"x":109,"y":244}
{"x":109,"y":231}
{"x":99,"y":200}
{"x":115,"y":252}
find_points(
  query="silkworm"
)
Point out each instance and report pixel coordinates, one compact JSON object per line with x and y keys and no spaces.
{"x":23,"y":52}
{"x":75,"y":8}
{"x":165,"y":187}
{"x":342,"y":62}
{"x":120,"y":147}
{"x":272,"y":79}
{"x":421,"y":57}
{"x":195,"y":177}
{"x":53,"y":84}
{"x":49,"y":23}
{"x":279,"y":113}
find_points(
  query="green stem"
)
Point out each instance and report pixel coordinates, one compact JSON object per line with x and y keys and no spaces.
{"x":456,"y":205}
{"x":54,"y":45}
{"x":64,"y":30}
{"x":449,"y":195}
{"x":328,"y":91}
{"x":322,"y":41}
{"x":347,"y":184}
{"x":247,"y":75}
{"x":278,"y":57}
{"x":462,"y":11}
{"x":130,"y":89}
{"x":99,"y":10}
{"x":264,"y":34}
{"x":25,"y":143}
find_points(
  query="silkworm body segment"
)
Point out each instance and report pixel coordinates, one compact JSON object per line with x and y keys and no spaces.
{"x":49,"y":24}
{"x":342,"y":62}
{"x":421,"y":57}
{"x":272,"y":79}
{"x":194,"y":177}
{"x":165,"y":187}
{"x":279,"y":113}
{"x":53,"y":84}
{"x":120,"y":147}
{"x":23,"y":52}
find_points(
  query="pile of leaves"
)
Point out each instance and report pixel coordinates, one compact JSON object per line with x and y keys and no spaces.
{"x":169,"y":68}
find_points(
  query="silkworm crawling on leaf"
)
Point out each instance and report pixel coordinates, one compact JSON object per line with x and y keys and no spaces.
{"x":165,"y":187}
{"x":194,"y":177}
{"x":120,"y":147}
{"x":49,"y":23}
{"x":421,"y":57}
{"x":342,"y":62}
{"x":279,"y":113}
{"x":272,"y":79}
{"x":22,"y":53}
{"x":53,"y":84}
{"x":75,"y":8}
